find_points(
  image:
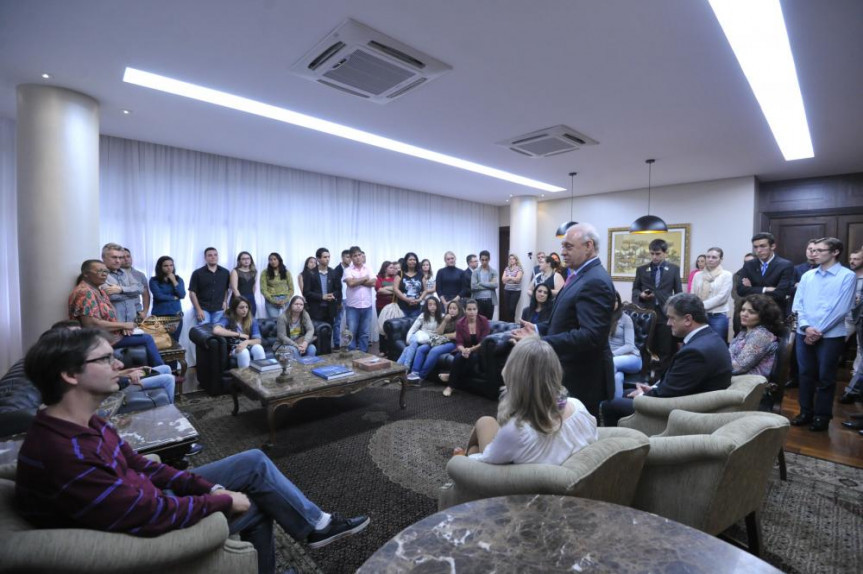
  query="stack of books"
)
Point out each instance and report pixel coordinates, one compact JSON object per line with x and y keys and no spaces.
{"x":265,"y":365}
{"x":331,"y":372}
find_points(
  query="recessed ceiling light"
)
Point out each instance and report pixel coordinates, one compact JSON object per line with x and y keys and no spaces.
{"x":756,"y":31}
{"x":200,"y":93}
{"x":46,"y":76}
{"x":126,"y":112}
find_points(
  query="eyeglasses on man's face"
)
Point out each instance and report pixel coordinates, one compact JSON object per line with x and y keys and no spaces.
{"x":104,"y":359}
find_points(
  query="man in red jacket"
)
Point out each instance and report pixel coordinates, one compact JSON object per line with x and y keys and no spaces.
{"x":75,"y":471}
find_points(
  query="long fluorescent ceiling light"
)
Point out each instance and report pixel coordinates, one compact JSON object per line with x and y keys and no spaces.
{"x":756,"y":31}
{"x":200,"y":93}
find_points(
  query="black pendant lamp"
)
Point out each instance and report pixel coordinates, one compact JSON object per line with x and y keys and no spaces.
{"x":648,"y":223}
{"x":561,"y":231}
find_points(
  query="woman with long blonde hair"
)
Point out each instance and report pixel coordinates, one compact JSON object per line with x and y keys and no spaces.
{"x":536,"y":421}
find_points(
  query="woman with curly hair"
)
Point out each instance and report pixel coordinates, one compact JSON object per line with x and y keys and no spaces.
{"x":753,"y":350}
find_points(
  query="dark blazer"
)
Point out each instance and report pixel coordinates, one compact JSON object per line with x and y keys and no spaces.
{"x":701,"y":365}
{"x":779,"y":274}
{"x":669,"y":284}
{"x":314,"y":295}
{"x":578,"y":331}
{"x":462,"y":332}
{"x":465,"y":285}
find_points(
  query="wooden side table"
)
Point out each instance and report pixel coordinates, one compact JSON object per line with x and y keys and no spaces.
{"x":176,"y":353}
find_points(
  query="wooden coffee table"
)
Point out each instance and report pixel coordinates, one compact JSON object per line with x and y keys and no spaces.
{"x":263,"y":387}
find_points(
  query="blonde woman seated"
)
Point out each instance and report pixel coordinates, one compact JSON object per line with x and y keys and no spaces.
{"x":242,"y":332}
{"x":295,"y":329}
{"x":536,"y":422}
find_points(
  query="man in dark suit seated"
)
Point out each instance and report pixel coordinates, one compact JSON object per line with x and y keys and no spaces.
{"x":767,"y":274}
{"x":580,"y":320}
{"x":702,"y":364}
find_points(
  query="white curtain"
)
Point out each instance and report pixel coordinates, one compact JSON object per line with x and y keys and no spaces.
{"x":10,"y":313}
{"x":158,"y":200}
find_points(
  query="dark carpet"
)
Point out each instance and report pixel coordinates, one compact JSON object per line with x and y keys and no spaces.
{"x":362,"y":454}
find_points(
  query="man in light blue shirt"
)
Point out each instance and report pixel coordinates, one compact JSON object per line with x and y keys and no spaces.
{"x":824,"y":295}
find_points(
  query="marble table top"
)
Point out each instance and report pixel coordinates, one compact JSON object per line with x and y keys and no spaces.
{"x":545,"y":533}
{"x":267,"y":387}
{"x":145,"y":431}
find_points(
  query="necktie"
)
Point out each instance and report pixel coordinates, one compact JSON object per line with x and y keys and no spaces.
{"x":763,"y":269}
{"x":656,"y":277}
{"x":569,"y":279}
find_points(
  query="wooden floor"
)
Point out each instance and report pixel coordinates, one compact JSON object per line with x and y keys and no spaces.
{"x":838,"y":444}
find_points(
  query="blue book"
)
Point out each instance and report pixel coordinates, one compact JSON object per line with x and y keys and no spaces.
{"x":331,"y":372}
{"x":310,"y":360}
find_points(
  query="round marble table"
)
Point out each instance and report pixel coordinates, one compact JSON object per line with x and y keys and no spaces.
{"x":544,"y":533}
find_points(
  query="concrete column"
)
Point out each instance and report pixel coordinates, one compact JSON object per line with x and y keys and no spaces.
{"x":58,"y":199}
{"x":522,"y":239}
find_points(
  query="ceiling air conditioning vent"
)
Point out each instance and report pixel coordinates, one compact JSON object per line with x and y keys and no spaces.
{"x":548,"y":142}
{"x":361,"y":61}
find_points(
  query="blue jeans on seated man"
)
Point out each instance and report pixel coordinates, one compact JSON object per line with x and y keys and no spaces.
{"x":273,"y":497}
{"x":427,"y":357}
{"x":624,"y":364}
{"x":359,"y":324}
{"x":165,"y":380}
{"x":154,"y":359}
{"x":311,"y":351}
{"x":719,"y":323}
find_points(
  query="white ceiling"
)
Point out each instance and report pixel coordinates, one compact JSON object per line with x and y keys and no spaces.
{"x":647,"y":78}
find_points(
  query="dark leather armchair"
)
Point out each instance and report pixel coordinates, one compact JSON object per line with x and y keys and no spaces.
{"x":214,"y":360}
{"x":644,"y":324}
{"x":486,"y":379}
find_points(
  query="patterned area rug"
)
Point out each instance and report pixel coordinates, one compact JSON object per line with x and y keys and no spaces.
{"x":362,"y":454}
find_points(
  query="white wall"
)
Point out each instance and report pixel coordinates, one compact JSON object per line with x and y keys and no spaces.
{"x":720,"y":213}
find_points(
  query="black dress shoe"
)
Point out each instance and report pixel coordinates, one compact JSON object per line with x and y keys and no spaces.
{"x":801,"y":420}
{"x":792,"y":384}
{"x":819,"y":424}
{"x":849,"y":398}
{"x":853,"y":424}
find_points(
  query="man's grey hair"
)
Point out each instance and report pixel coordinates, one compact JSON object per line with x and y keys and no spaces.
{"x":588,"y":232}
{"x":111,"y":247}
{"x":688,"y":304}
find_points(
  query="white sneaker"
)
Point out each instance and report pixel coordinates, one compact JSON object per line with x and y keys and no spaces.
{"x":414,"y":376}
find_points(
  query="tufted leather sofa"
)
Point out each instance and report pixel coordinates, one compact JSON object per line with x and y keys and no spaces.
{"x":486,"y":379}
{"x":644,"y":324}
{"x":214,"y":360}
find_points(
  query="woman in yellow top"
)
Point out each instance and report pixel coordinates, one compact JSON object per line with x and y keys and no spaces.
{"x":277,"y":285}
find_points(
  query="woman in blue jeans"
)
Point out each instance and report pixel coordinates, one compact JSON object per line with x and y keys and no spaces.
{"x":421,"y":332}
{"x":427,"y":355}
{"x":621,"y":339}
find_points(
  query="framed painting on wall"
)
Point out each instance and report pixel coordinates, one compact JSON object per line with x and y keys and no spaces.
{"x":627,"y":251}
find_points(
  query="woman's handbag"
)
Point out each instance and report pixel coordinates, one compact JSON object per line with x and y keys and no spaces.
{"x":153,"y":326}
{"x":391,"y":311}
{"x":438,"y":340}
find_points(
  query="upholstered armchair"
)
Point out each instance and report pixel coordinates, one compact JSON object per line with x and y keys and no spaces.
{"x":606,"y":470}
{"x":708,"y":471}
{"x":204,"y":547}
{"x":214,"y":360}
{"x":651,"y":413}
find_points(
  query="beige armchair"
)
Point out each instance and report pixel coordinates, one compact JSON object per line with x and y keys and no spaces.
{"x":204,"y":547}
{"x":710,"y":470}
{"x":606,"y":470}
{"x":651,"y":413}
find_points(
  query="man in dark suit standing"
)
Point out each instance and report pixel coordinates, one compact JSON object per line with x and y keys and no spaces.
{"x":580,"y":320}
{"x":654,"y":284}
{"x":702,"y":364}
{"x":324,"y":292}
{"x":768,"y":273}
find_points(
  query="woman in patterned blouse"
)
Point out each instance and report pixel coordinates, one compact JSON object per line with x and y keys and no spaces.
{"x":753,"y":350}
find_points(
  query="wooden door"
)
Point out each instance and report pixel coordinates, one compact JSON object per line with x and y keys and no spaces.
{"x":794,"y":232}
